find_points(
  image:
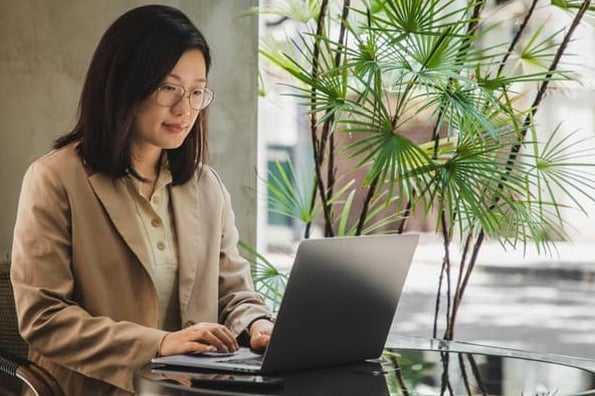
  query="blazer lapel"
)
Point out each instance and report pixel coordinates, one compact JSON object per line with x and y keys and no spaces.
{"x":119,"y":205}
{"x":187,"y":222}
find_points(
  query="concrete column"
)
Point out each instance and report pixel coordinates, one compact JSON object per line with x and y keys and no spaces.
{"x":233,"y":37}
{"x":45,"y":49}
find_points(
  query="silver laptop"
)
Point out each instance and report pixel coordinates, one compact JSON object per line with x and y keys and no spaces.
{"x":338,"y":306}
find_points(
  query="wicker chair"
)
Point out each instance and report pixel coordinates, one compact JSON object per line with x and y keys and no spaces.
{"x":15,"y":369}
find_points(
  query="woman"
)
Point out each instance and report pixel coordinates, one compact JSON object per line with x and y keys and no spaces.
{"x":125,"y":244}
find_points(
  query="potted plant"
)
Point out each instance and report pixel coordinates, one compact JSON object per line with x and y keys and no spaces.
{"x":418,"y":113}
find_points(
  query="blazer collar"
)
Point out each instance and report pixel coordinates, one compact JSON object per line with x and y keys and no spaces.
{"x":119,"y":205}
{"x":184,"y":200}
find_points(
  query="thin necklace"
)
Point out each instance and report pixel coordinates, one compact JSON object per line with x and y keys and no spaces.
{"x":151,"y":184}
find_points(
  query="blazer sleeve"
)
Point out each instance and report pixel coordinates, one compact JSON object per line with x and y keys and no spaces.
{"x":49,"y":319}
{"x":239,"y":303}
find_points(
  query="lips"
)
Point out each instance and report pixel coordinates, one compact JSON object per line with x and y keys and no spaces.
{"x":175,"y":127}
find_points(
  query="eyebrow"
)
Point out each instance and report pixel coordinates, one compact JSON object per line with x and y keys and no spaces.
{"x":180,"y":78}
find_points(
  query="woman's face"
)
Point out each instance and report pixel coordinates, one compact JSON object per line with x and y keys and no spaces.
{"x":158,"y":126}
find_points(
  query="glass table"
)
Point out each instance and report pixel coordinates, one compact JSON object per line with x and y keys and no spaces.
{"x":413,"y":367}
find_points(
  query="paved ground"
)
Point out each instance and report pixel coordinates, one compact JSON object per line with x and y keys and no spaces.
{"x":531,"y":302}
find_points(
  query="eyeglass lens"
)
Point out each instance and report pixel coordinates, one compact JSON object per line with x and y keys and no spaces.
{"x":169,"y":95}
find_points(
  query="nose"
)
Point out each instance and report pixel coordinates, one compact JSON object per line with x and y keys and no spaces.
{"x":182,"y":107}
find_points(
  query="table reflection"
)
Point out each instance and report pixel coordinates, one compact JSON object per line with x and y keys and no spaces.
{"x":398,"y":372}
{"x":450,"y":373}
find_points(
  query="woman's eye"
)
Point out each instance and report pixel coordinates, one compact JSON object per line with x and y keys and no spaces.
{"x":168,"y":88}
{"x":197,"y":92}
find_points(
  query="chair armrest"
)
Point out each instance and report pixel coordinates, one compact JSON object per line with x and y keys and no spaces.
{"x":35,"y":377}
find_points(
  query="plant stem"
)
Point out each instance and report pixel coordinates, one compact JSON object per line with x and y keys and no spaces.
{"x":449,"y":332}
{"x":330,"y":171}
{"x":367,"y":200}
{"x":543,"y":87}
{"x":319,"y":145}
{"x":463,"y":260}
{"x":446,"y":239}
{"x":453,"y":315}
{"x":406,"y":214}
{"x":318,"y":151}
{"x":461,"y":290}
{"x":326,"y":135}
{"x":477,"y":374}
{"x":437,"y":302}
{"x":444,"y":270}
{"x":464,"y":374}
{"x":517,"y":37}
{"x":445,"y":383}
{"x":399,"y":376}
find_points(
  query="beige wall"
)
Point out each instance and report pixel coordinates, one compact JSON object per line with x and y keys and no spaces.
{"x":44,"y":52}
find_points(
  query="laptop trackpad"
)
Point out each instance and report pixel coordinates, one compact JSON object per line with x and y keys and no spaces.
{"x":242,"y":354}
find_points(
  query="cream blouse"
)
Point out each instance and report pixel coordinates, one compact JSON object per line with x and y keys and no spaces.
{"x":155,"y":218}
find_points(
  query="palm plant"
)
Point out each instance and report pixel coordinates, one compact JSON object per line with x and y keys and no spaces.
{"x":269,"y":282}
{"x":371,"y":73}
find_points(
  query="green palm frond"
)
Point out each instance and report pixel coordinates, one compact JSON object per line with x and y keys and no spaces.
{"x":468,"y":181}
{"x":268,"y":280}
{"x":390,"y":157}
{"x":288,"y":195}
{"x":571,"y":6}
{"x":344,"y":216}
{"x":326,"y":93}
{"x":376,"y":220}
{"x":420,"y":16}
{"x":562,"y":166}
{"x":298,"y":10}
{"x":517,"y":223}
{"x":537,"y":53}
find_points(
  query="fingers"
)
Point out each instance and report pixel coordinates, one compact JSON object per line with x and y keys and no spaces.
{"x":201,"y":337}
{"x":215,"y":335}
{"x":259,"y":342}
{"x":260,"y":334}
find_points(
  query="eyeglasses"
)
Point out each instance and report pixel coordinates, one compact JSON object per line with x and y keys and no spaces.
{"x":171,"y":94}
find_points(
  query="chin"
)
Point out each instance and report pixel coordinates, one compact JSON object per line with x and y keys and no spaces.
{"x":171,"y":145}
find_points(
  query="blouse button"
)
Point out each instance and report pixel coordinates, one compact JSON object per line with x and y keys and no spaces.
{"x":160,"y":245}
{"x":155,"y":223}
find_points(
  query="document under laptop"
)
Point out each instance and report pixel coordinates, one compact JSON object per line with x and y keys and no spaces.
{"x":338,"y":307}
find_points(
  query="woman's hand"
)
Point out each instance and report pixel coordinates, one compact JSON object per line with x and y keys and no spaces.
{"x":260,"y":334}
{"x":201,"y":337}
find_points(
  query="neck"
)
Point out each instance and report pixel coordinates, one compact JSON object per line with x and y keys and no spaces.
{"x":147,"y":163}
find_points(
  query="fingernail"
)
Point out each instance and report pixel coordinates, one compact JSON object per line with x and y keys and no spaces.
{"x":212,"y":349}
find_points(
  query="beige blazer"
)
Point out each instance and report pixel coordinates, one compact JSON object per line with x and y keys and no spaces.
{"x":85,"y":299}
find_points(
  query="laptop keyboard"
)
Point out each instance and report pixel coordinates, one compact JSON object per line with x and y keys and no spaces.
{"x":251,"y":361}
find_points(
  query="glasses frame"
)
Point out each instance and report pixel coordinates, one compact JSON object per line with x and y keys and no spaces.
{"x":207,"y":96}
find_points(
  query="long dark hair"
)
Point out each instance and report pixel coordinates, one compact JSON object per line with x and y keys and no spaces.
{"x":131,"y":60}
